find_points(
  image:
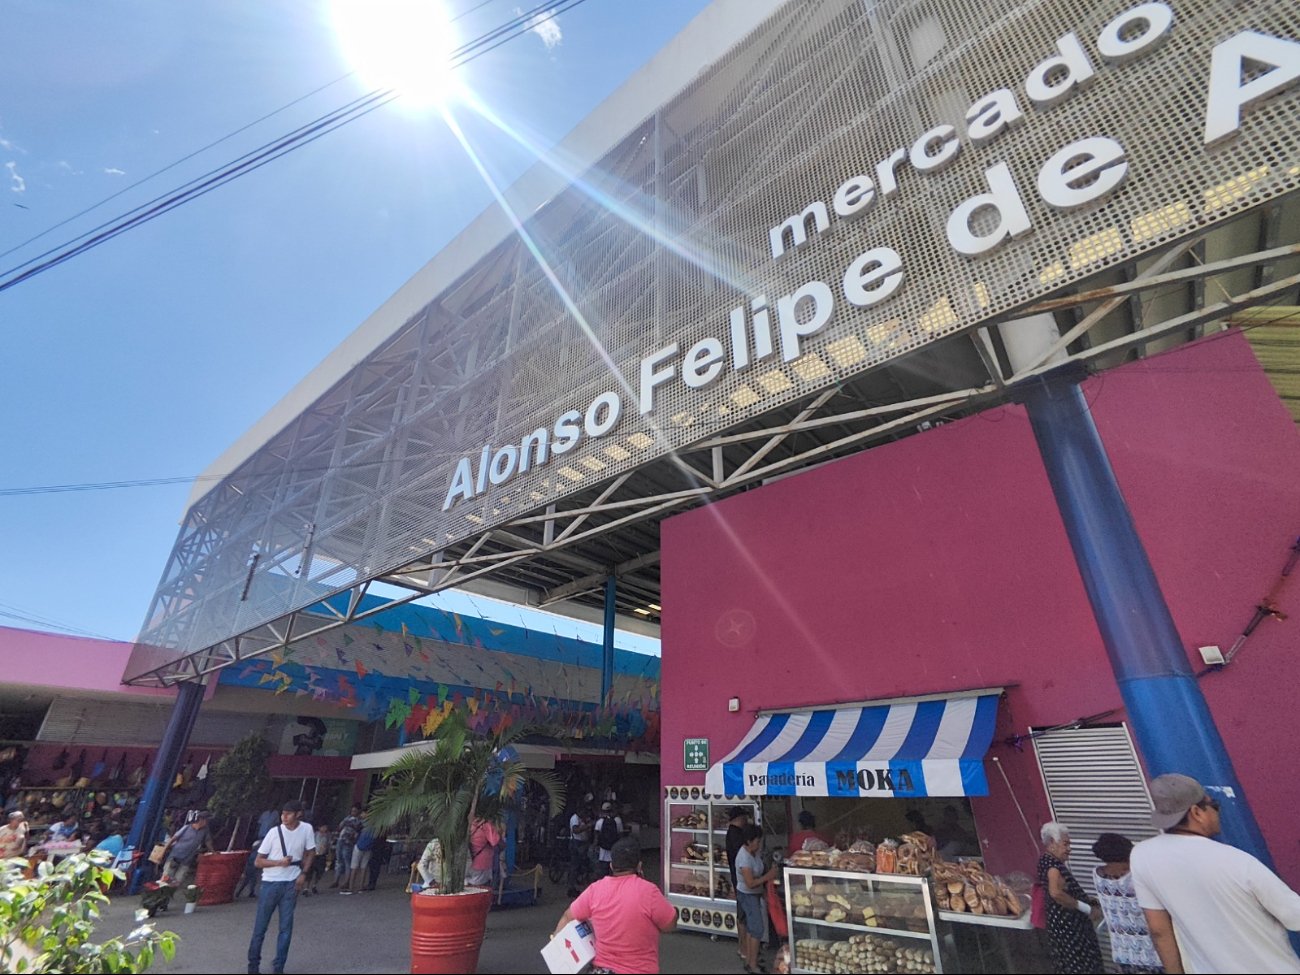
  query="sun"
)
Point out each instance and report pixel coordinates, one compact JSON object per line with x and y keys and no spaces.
{"x":406,"y":45}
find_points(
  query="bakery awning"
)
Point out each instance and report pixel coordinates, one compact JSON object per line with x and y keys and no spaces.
{"x":922,"y":746}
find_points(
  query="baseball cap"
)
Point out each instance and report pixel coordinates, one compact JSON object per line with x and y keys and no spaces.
{"x":1171,"y":796}
{"x":293,"y":805}
{"x":606,"y":807}
{"x":201,"y":814}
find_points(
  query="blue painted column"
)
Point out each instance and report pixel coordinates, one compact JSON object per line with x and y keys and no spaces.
{"x":1168,"y":713}
{"x":153,"y":801}
{"x":607,"y":659}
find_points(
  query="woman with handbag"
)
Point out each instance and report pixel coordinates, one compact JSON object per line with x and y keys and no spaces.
{"x":1071,"y":915}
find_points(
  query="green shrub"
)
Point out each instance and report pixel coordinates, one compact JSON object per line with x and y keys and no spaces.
{"x":47,"y":922}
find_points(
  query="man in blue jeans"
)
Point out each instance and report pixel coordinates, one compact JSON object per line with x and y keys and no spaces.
{"x":349,"y":832}
{"x":284,"y":857}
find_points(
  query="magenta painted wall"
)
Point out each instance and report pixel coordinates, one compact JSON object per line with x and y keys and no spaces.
{"x":69,"y":663}
{"x":940,"y":563}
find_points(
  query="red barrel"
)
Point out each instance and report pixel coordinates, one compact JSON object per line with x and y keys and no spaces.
{"x":218,"y":874}
{"x":447,"y":931}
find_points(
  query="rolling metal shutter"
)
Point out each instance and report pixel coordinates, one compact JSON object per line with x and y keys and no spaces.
{"x":1094,"y":785}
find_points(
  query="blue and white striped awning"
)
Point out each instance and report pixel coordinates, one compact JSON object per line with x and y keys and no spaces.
{"x":917,"y":747}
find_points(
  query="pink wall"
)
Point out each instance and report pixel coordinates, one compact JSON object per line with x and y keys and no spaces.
{"x":69,"y":663}
{"x":940,"y":563}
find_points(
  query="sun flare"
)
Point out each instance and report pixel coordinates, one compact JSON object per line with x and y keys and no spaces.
{"x":406,"y":45}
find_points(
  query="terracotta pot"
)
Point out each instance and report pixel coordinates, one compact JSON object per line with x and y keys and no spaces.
{"x":218,"y":874}
{"x":447,"y":931}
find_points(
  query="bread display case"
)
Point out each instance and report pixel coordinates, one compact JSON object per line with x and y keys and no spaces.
{"x":696,"y":875}
{"x":844,"y":921}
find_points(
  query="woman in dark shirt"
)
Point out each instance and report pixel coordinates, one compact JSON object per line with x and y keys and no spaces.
{"x":734,"y":841}
{"x":1071,"y":914}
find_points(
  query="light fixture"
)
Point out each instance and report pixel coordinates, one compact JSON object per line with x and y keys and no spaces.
{"x":1212,"y":656}
{"x":733,"y":704}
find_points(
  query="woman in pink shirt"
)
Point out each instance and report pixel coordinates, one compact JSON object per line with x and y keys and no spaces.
{"x":484,"y":838}
{"x":627,"y":913}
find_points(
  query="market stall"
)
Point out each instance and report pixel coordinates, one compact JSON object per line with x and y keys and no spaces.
{"x":867,"y":896}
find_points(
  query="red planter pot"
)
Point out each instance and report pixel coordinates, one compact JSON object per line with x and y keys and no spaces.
{"x":218,"y":874}
{"x":447,"y":931}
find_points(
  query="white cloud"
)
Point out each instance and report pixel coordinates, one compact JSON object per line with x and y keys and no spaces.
{"x":547,"y":29}
{"x":16,"y":183}
{"x":6,"y":144}
{"x":67,"y":167}
{"x":114,"y":171}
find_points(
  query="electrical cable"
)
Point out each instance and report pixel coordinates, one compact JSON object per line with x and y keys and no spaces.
{"x":304,"y":135}
{"x":211,"y":145}
{"x":173,"y":165}
{"x":28,"y":616}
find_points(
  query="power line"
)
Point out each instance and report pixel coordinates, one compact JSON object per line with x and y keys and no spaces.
{"x":13,"y":492}
{"x":27,"y":616}
{"x":255,"y":159}
{"x":211,"y":145}
{"x":173,"y":165}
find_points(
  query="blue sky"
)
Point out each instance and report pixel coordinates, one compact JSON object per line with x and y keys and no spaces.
{"x":149,"y":355}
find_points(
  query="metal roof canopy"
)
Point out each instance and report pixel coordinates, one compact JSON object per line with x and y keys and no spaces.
{"x":349,"y":492}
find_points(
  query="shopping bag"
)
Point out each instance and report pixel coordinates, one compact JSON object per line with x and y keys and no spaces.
{"x":158,"y":853}
{"x":571,"y":950}
{"x":1038,"y":906}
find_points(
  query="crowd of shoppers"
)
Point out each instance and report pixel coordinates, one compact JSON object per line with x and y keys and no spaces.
{"x":1178,"y":902}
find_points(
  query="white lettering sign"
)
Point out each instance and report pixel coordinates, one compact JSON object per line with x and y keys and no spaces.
{"x":1245,"y":69}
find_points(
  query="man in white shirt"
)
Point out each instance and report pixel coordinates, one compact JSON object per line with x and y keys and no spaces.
{"x":284,"y":856}
{"x":1210,"y":907}
{"x":579,"y":848}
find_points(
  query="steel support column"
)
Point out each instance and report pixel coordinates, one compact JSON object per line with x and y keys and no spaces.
{"x":1171,"y":720}
{"x":153,"y":801}
{"x":607,"y":658}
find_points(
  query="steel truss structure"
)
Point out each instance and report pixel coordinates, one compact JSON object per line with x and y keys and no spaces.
{"x":665,"y":235}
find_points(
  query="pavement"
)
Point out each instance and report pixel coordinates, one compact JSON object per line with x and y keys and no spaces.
{"x":370,"y":931}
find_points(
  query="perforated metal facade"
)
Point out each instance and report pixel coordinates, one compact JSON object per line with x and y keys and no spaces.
{"x":662,"y":240}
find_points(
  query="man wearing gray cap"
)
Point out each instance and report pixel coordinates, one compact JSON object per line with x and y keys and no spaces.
{"x":1210,"y":906}
{"x":181,"y":856}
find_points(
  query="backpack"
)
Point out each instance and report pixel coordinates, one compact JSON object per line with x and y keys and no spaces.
{"x":608,"y":833}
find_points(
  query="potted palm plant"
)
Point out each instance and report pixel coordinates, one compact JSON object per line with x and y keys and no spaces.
{"x":441,"y":789}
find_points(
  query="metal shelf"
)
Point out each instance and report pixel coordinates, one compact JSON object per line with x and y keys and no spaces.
{"x":988,"y":920}
{"x":691,"y":829}
{"x":864,"y":929}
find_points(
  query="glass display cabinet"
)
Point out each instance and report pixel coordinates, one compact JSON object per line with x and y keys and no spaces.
{"x":840,"y":921}
{"x":696,"y":876}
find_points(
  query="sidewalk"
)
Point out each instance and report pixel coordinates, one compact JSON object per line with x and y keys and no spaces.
{"x":371,"y":931}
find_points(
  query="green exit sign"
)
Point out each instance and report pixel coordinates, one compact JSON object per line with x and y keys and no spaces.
{"x":695,"y":754}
